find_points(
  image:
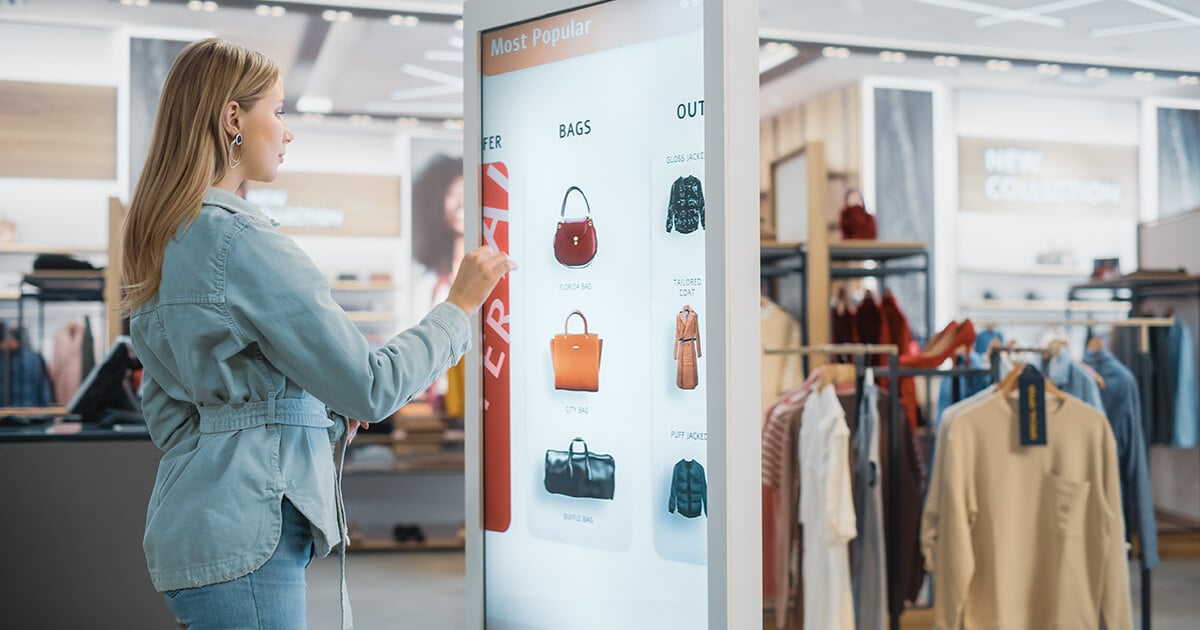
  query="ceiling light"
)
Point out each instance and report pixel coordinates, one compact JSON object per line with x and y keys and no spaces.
{"x":396,"y":20}
{"x":946,"y":61}
{"x":142,"y":3}
{"x":1144,"y":77}
{"x":407,"y":121}
{"x":127,"y":3}
{"x":278,"y":11}
{"x":360,"y":119}
{"x":1096,"y":73}
{"x":345,"y":16}
{"x":1189,"y":80}
{"x":835,"y":52}
{"x":210,"y":6}
{"x":889,"y":56}
{"x":1049,"y":69}
{"x":453,"y":123}
{"x":998,"y":65}
{"x":195,"y":5}
{"x":329,"y":15}
{"x":412,"y":20}
{"x":458,"y":24}
{"x":262,"y":10}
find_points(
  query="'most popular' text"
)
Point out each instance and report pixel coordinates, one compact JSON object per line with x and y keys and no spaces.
{"x":541,"y":37}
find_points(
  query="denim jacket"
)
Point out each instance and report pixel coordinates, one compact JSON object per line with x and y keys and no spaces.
{"x":250,"y":371}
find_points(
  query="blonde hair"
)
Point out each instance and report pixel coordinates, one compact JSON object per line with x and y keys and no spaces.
{"x":189,"y":151}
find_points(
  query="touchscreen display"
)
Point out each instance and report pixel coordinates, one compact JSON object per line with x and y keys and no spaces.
{"x":595,"y":419}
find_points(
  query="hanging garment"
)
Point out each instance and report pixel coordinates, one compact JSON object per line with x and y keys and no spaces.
{"x":780,"y":489}
{"x":1182,"y":359}
{"x":780,"y":372}
{"x":1123,"y":407}
{"x":967,"y":386}
{"x":87,"y":348}
{"x":66,"y":365}
{"x":826,"y":512}
{"x":1029,"y":537}
{"x":29,"y":382}
{"x":685,"y":210}
{"x":910,"y":577}
{"x":869,"y":322}
{"x":687,"y":348}
{"x":901,"y":336}
{"x":867,"y":554}
{"x":1072,"y":379}
{"x":689,"y":489}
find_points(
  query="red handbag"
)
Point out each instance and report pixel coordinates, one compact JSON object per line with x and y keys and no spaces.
{"x":855,"y":221}
{"x":575,"y":239}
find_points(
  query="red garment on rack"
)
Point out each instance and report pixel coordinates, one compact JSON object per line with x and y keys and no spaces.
{"x":901,"y":335}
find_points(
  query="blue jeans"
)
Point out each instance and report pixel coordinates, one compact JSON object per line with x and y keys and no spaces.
{"x":272,"y":597}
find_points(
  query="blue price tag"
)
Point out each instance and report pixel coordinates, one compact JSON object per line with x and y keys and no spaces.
{"x":1031,"y":388}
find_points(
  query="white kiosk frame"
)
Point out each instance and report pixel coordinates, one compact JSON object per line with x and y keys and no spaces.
{"x":732,"y":245}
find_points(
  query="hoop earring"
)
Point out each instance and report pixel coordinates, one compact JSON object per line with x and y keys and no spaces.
{"x":237,"y":142}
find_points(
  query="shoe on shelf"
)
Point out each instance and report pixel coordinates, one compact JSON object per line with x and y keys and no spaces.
{"x":943,"y":346}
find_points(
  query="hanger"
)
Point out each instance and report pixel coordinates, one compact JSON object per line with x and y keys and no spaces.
{"x":1009,"y":384}
{"x":1095,"y":344}
{"x":835,"y":373}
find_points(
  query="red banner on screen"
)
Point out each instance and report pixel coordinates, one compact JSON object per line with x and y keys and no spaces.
{"x":497,"y":478}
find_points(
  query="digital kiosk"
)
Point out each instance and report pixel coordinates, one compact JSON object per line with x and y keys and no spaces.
{"x":613,"y":461}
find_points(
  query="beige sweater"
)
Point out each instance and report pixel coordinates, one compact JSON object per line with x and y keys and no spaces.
{"x":1027,"y":537}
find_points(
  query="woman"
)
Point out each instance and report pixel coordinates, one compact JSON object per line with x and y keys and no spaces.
{"x":251,"y":369}
{"x":438,"y":225}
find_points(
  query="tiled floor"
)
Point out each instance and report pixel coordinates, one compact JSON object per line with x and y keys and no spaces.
{"x":425,"y":591}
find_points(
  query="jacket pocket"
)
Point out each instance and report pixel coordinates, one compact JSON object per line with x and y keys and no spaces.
{"x":1070,"y":505}
{"x":168,"y":474}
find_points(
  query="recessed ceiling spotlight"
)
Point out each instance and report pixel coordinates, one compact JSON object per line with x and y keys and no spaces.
{"x":1188,"y":79}
{"x":1144,"y":77}
{"x":889,"y":56}
{"x":329,"y":15}
{"x":263,"y":10}
{"x":835,"y":52}
{"x":278,"y":11}
{"x":194,"y":5}
{"x":396,"y":20}
{"x":407,"y":121}
{"x":998,"y":65}
{"x":412,"y":20}
{"x":142,"y":3}
{"x":345,"y":16}
{"x":1096,"y":73}
{"x":210,"y":6}
{"x":360,"y":119}
{"x":946,"y":61}
{"x":127,"y":3}
{"x":1049,"y":69}
{"x":458,"y":24}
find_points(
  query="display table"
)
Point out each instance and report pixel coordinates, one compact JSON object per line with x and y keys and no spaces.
{"x":74,"y":508}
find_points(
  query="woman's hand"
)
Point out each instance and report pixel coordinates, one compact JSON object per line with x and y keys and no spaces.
{"x":477,"y":275}
{"x":353,"y":428}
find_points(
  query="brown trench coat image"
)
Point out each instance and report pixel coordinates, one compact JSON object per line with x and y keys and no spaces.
{"x":687,"y":348}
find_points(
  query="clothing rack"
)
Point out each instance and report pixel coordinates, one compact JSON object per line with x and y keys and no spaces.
{"x":1144,"y":385}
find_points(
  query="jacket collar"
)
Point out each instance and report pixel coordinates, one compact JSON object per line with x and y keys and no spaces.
{"x":233,"y":203}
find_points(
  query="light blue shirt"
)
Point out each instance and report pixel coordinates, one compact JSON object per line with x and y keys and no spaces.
{"x":250,"y":371}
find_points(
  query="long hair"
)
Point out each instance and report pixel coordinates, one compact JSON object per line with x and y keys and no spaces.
{"x":188,"y":153}
{"x":433,"y":240}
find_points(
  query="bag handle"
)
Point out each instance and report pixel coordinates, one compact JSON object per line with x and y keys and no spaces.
{"x":563,"y":213}
{"x":571,"y":455}
{"x":862,"y":201}
{"x":567,"y":323}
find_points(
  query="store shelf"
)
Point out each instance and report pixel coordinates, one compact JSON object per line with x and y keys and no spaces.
{"x":433,"y":544}
{"x":350,"y":285}
{"x":1042,"y":306}
{"x":1040,"y":270}
{"x":56,"y":249}
{"x":372,"y":316}
{"x":402,"y":467}
{"x":875,"y":250}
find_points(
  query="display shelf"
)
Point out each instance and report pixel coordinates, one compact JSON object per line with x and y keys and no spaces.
{"x":875,"y":250}
{"x":358,"y":286}
{"x":1081,"y":306}
{"x":402,"y":467}
{"x":383,"y":544}
{"x":17,"y":248}
{"x":372,"y":316}
{"x":1055,"y":271}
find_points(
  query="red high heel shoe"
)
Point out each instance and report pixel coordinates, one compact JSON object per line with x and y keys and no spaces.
{"x":942,"y":346}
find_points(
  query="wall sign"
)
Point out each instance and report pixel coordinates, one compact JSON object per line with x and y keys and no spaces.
{"x":1022,"y":176}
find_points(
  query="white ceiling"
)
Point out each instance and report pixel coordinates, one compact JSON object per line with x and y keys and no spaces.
{"x":370,"y":66}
